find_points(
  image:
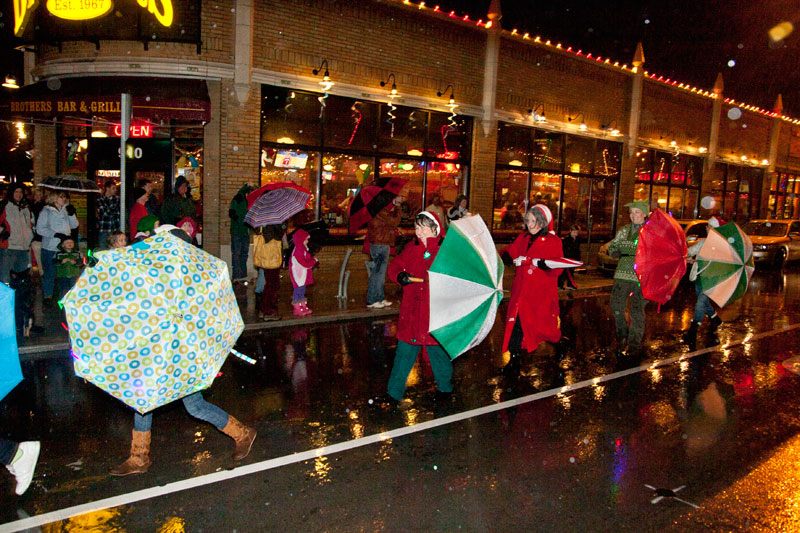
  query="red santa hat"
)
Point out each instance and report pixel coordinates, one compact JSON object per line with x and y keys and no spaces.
{"x":548,"y":216}
{"x":435,"y":218}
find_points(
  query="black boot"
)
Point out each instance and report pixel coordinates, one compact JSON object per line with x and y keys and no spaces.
{"x":512,"y":368}
{"x":715,"y":322}
{"x":561,"y":349}
{"x":690,"y":335}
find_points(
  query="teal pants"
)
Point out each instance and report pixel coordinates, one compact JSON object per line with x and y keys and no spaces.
{"x":404,"y":359}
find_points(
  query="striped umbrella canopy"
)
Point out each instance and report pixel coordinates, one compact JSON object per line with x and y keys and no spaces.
{"x":372,"y":199}
{"x":466,"y":286}
{"x":65,"y":182}
{"x":274,"y":203}
{"x":725,"y":263}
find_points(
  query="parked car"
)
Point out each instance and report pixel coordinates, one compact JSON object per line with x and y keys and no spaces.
{"x":693,"y":228}
{"x":775,"y":241}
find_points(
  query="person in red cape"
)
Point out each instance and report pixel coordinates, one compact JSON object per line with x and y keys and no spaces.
{"x":533,"y":308}
{"x":410,"y":271}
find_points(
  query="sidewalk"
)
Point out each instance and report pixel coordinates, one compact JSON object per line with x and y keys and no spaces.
{"x":321,"y":299}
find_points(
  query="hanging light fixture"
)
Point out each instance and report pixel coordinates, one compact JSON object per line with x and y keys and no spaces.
{"x":11,"y":82}
{"x":537,"y":117}
{"x":326,"y":82}
{"x":583,"y":126}
{"x":452,"y":105}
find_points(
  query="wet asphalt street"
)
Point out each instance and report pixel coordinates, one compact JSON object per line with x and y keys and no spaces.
{"x":685,"y":439}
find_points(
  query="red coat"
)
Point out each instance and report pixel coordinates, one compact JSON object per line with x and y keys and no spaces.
{"x":534,"y":294}
{"x":412,"y":326}
{"x":138,"y":211}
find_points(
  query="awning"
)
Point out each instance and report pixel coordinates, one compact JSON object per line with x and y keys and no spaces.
{"x":153,"y":99}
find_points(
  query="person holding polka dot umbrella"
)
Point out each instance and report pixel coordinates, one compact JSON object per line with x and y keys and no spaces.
{"x":153,"y":323}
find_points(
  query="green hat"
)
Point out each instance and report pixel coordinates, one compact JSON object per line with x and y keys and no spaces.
{"x":147,"y":223}
{"x":639,"y":204}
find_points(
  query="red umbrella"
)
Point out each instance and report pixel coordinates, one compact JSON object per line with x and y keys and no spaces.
{"x":256,"y":194}
{"x":372,"y":198}
{"x":660,"y":257}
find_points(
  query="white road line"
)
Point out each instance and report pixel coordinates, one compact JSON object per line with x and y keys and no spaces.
{"x":208,"y":479}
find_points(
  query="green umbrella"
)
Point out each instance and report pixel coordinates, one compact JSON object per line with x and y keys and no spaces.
{"x":725,"y":263}
{"x":466,"y":286}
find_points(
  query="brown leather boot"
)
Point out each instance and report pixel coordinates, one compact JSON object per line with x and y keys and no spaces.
{"x":242,"y":436}
{"x":139,"y":461}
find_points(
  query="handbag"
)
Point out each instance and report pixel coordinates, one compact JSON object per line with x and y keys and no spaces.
{"x":267,"y":254}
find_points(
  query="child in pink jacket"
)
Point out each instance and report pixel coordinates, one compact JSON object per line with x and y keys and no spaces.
{"x":300,"y":271}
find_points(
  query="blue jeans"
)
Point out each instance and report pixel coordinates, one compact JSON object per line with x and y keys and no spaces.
{"x":377,"y":272}
{"x":260,"y":281}
{"x":8,"y":449}
{"x":404,"y":359}
{"x":298,"y":294}
{"x":703,"y":305}
{"x":240,"y":249}
{"x":196,"y":406}
{"x":13,"y":261}
{"x":49,"y":273}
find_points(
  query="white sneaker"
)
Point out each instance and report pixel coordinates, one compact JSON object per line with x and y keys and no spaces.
{"x":23,"y":468}
{"x":376,"y":305}
{"x":387,"y":303}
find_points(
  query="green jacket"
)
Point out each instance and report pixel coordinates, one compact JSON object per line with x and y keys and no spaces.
{"x":624,"y":246}
{"x":68,"y":270}
{"x":237,"y":211}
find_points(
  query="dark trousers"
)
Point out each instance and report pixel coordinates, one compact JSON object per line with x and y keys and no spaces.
{"x":268,"y":305}
{"x":240,"y":249}
{"x":8,"y":449}
{"x":621,"y":292}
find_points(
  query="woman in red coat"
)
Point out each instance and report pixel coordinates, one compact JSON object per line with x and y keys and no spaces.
{"x":533,"y":309}
{"x":410,"y":270}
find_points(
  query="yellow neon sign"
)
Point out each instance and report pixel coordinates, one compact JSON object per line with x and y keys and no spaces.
{"x":79,"y":9}
{"x":85,"y":10}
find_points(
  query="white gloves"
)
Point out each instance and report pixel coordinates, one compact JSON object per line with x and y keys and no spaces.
{"x":519,"y":261}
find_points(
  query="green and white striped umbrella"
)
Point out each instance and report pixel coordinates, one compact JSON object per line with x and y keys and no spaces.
{"x":725,"y":263}
{"x":466,"y":286}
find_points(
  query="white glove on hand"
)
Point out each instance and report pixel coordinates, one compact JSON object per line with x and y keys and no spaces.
{"x":519,"y":260}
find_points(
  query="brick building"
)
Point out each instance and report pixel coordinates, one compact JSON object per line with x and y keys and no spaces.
{"x":230,"y":92}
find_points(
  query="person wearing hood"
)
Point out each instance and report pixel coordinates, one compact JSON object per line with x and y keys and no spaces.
{"x":56,"y":221}
{"x":240,"y":233}
{"x":626,"y":284}
{"x":188,"y":225}
{"x":533,"y":309}
{"x":180,"y":204}
{"x":702,"y":306}
{"x":17,"y":257}
{"x":300,"y":267}
{"x":138,"y":211}
{"x":146,"y":227}
{"x":410,"y":271}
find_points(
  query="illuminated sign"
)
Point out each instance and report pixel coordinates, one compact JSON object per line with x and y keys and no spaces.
{"x":79,"y":9}
{"x":287,"y":159}
{"x":85,"y":10}
{"x":137,"y":130}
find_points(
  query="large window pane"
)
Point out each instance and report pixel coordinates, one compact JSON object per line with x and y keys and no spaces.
{"x":690,"y":203}
{"x":601,"y":218}
{"x":547,"y":148}
{"x":342,"y":175}
{"x":290,"y":117}
{"x":509,"y":192}
{"x":514,"y":145}
{"x":545,"y":187}
{"x":350,"y":124}
{"x":607,"y":158}
{"x":285,"y":164}
{"x":576,"y":202}
{"x":405,"y":134}
{"x":659,"y":197}
{"x":694,"y":170}
{"x":661,"y":167}
{"x":579,"y":154}
{"x":412,"y":171}
{"x":444,"y":180}
{"x":448,"y":139}
{"x":644,"y":164}
{"x":675,"y":205}
{"x":717,"y":188}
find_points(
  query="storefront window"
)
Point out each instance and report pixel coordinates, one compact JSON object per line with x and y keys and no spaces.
{"x":736,"y":190}
{"x":404,"y":134}
{"x":342,"y":175}
{"x":413,"y":171}
{"x":607,"y":158}
{"x":513,"y":145}
{"x":579,"y":155}
{"x":350,"y":124}
{"x":675,"y":179}
{"x":443,"y":180}
{"x":548,"y":150}
{"x":290,"y":117}
{"x":510,"y":189}
{"x":644,"y":164}
{"x":286,"y":164}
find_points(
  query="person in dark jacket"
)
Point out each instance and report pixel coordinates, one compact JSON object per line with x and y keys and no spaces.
{"x":572,"y":250}
{"x":240,"y":233}
{"x":180,"y":204}
{"x":410,"y":271}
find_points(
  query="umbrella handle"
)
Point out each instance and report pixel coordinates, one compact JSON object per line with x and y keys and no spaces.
{"x":416,"y":280}
{"x":243,"y":357}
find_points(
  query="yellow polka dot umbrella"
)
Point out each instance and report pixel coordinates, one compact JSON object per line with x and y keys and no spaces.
{"x":152,"y":322}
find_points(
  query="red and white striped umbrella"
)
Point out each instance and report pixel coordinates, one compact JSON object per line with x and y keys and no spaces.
{"x":275,"y":203}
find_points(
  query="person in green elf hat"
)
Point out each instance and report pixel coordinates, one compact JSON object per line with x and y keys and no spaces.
{"x":626,"y":284}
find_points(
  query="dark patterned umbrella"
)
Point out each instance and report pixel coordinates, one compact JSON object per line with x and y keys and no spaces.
{"x":66,"y":182}
{"x":276,"y":204}
{"x":372,"y":198}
